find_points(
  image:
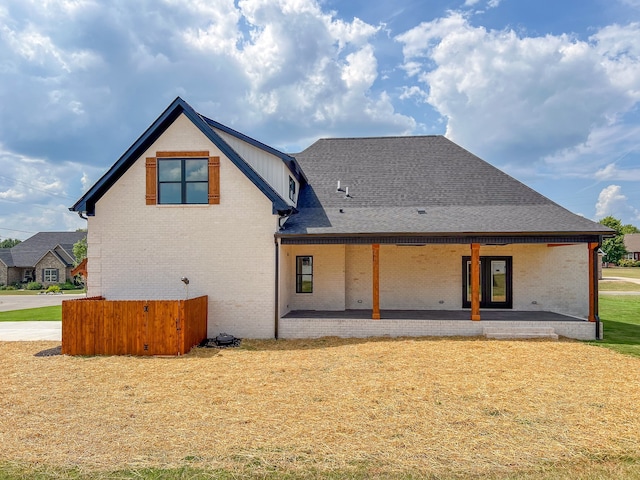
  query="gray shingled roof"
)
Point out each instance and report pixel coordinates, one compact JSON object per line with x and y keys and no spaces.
{"x":632,"y":242}
{"x":5,"y":256}
{"x":391,"y":179}
{"x":29,"y":252}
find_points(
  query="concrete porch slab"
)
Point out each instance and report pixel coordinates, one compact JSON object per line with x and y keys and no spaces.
{"x":424,"y":323}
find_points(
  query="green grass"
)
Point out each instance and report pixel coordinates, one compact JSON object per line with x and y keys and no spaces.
{"x":31,"y":315}
{"x":19,"y":292}
{"x":37,"y":292}
{"x":629,"y":272}
{"x":618,"y":286}
{"x":588,"y":469}
{"x":621,"y":317}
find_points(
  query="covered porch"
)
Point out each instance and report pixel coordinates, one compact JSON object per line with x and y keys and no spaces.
{"x":408,"y":286}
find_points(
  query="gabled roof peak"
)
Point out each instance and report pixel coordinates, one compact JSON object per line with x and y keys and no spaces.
{"x":178,"y":107}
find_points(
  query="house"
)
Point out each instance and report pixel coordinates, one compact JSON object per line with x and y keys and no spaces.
{"x":47,"y":258}
{"x":351,"y":237}
{"x":632,"y":245}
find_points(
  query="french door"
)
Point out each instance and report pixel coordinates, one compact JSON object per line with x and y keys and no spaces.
{"x":495,"y":282}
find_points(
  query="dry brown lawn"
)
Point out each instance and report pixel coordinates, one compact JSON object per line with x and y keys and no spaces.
{"x":424,"y":406}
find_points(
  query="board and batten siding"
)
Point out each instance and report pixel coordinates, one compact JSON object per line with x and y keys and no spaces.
{"x":141,"y":252}
{"x":270,"y":167}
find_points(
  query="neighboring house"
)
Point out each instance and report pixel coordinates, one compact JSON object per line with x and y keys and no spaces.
{"x":351,"y":237}
{"x":47,"y":257}
{"x":632,"y":245}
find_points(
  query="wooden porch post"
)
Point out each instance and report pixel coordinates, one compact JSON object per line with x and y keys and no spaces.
{"x":593,"y":278}
{"x":475,"y":281}
{"x":376,"y":281}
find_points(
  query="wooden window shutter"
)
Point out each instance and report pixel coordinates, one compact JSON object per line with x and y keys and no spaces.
{"x":152,"y":181}
{"x":214,"y":180}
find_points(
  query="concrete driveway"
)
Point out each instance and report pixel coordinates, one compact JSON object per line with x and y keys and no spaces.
{"x":28,"y":331}
{"x":20,"y":302}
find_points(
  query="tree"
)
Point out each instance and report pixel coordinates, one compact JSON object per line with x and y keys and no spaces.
{"x":80,"y":250}
{"x":613,"y":247}
{"x":9,"y":242}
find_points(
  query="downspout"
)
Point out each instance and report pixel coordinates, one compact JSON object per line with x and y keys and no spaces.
{"x":282,"y":215}
{"x":277,"y":288}
{"x":596,"y":306}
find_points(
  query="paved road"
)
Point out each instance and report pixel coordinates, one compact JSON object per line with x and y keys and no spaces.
{"x":20,"y":302}
{"x":21,"y":331}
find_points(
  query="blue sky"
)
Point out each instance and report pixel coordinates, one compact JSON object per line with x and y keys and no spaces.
{"x":548,"y":91}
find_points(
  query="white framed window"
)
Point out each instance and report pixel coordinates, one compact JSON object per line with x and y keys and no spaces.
{"x":50,"y":275}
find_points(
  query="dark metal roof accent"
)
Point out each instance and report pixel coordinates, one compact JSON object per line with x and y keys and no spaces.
{"x":435,"y":240}
{"x":288,"y":160}
{"x":88,"y":201}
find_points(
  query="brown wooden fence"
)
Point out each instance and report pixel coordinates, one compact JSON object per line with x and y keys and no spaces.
{"x":95,"y":326}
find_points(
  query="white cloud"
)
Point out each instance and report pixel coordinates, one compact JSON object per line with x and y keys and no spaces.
{"x":413,"y":92}
{"x":520,"y":99}
{"x":360,"y":70}
{"x":34,"y":195}
{"x":490,"y":3}
{"x":307,"y":69}
{"x":274,"y":68}
{"x":355,"y":33}
{"x":611,"y":172}
{"x":38,"y":49}
{"x":219,"y":33}
{"x":612,"y":201}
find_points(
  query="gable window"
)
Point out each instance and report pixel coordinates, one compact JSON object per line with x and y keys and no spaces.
{"x":50,"y":275}
{"x":183,"y":178}
{"x":292,"y":189}
{"x":304,"y":274}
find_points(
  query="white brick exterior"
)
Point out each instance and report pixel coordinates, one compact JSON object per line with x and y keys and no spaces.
{"x":328,"y":278}
{"x":227,"y":250}
{"x":360,"y":328}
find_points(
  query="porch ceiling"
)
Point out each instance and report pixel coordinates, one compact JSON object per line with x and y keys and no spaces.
{"x":462,"y":315}
{"x":417,"y":239}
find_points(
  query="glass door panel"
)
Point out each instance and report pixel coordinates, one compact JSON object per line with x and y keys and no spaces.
{"x":498,"y":281}
{"x":468,"y":283}
{"x":495,"y":282}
